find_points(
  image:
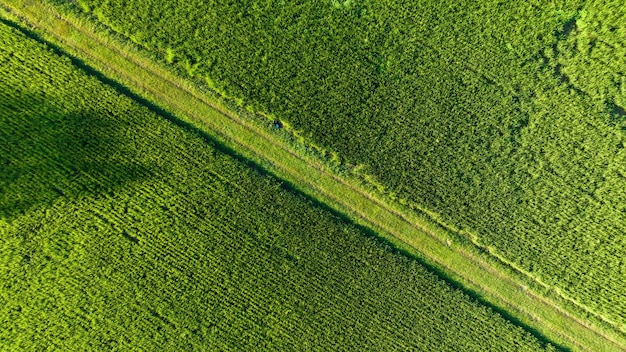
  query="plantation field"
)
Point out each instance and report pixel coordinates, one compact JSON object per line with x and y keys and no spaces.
{"x":593,"y":56}
{"x":505,"y":119}
{"x":120,"y":230}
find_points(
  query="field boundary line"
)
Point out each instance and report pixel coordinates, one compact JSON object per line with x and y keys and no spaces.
{"x":313,"y":175}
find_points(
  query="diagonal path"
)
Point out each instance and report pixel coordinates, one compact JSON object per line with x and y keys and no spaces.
{"x":408,"y":231}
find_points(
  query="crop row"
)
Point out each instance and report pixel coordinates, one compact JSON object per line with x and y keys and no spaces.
{"x":459,"y":108}
{"x":123,"y":231}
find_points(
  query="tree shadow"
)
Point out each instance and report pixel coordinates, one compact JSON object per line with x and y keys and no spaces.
{"x":47,"y":153}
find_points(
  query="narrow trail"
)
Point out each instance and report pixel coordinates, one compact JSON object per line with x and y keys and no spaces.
{"x":318,"y":170}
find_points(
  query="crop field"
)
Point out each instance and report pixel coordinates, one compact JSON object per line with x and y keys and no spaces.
{"x":505,"y":119}
{"x":122,"y":230}
{"x":592,"y":57}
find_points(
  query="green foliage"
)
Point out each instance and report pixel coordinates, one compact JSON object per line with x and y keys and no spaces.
{"x":505,"y":118}
{"x":121,"y":231}
{"x":169,"y":55}
{"x":191,"y":68}
{"x":593,"y":54}
{"x":83,"y":5}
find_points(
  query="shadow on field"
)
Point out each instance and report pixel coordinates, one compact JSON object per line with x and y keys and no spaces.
{"x":68,"y":160}
{"x":46,"y":153}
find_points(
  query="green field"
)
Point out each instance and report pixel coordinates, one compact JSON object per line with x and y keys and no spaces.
{"x":122,"y":230}
{"x":505,"y":119}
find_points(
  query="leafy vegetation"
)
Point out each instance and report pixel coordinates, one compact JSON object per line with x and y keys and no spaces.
{"x":464,"y":109}
{"x":122,"y":231}
{"x":592,"y":54}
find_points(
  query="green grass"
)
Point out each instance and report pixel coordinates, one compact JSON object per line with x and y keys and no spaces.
{"x":461,"y":109}
{"x":120,"y":230}
{"x":493,"y":283}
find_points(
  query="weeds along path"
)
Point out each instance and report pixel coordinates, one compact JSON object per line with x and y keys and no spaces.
{"x":410,"y":233}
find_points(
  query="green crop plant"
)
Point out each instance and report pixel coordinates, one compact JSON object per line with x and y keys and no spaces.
{"x":504,"y":120}
{"x":122,"y":229}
